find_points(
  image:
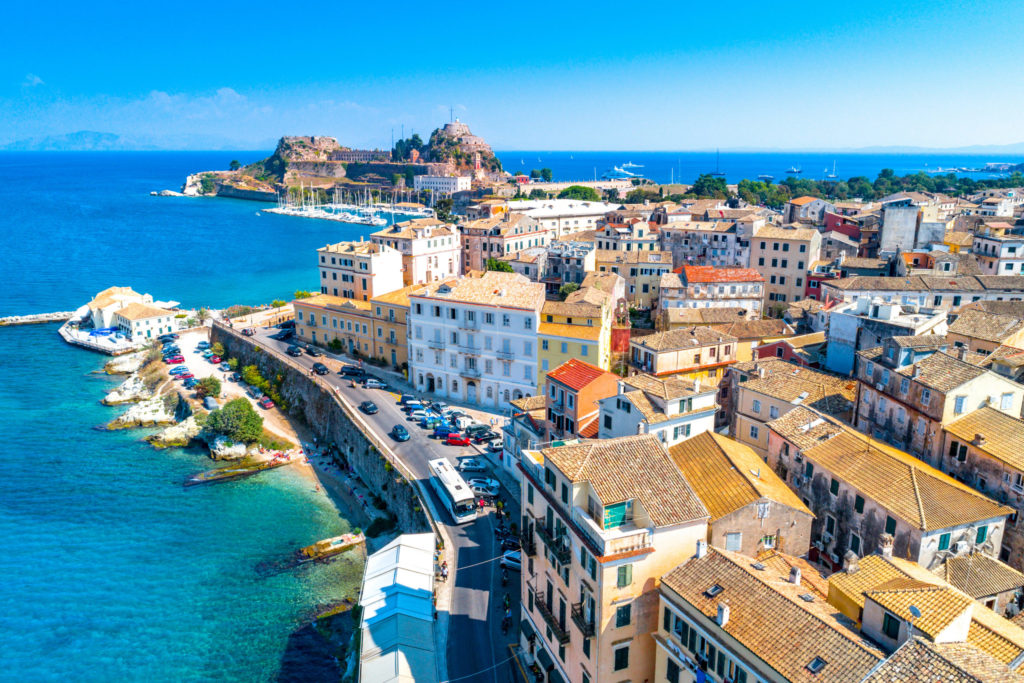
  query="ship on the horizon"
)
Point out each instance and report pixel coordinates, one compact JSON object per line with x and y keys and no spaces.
{"x":630,"y":164}
{"x":795,"y":169}
{"x":617,"y":173}
{"x":718,"y":172}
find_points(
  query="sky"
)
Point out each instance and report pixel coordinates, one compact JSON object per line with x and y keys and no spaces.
{"x":616,"y":76}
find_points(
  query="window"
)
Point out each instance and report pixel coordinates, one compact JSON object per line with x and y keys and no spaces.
{"x":890,"y":525}
{"x":1006,"y":402}
{"x":982,"y":534}
{"x":958,"y":405}
{"x":891,"y":626}
{"x":904,"y":385}
{"x":855,"y":543}
{"x":544,"y":344}
{"x":753,"y":432}
{"x":622,"y":658}
{"x":672,"y":671}
{"x":607,"y":421}
{"x":858,"y":505}
{"x":622,"y":615}
{"x":773,"y":412}
{"x":830,"y":524}
{"x":757,"y":406}
{"x":584,"y":350}
{"x":926,"y":397}
{"x":944,"y":542}
{"x":833,"y":487}
{"x":734,"y":541}
{"x":625,"y":576}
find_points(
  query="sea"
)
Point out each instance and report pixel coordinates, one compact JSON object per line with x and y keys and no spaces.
{"x":109,"y":568}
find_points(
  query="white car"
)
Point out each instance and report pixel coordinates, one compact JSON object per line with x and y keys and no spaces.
{"x":375,"y":384}
{"x":417,"y":414}
{"x":471,"y":465}
{"x":512,"y":560}
{"x":495,"y":445}
{"x":485,"y":487}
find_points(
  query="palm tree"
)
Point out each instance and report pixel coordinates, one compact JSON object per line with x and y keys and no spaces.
{"x":202,"y":315}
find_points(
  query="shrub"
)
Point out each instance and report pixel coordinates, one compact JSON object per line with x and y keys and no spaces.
{"x":233,"y":363}
{"x":238,"y":421}
{"x":237,"y":311}
{"x":278,"y":303}
{"x":335,"y":345}
{"x":302,"y":294}
{"x":567,"y":289}
{"x":218,"y":349}
{"x":208,"y":386}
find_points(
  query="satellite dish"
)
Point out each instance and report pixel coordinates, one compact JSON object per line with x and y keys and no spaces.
{"x":915,"y":612}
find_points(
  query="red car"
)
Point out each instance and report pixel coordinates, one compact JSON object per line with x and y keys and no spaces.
{"x":266,"y":403}
{"x":185,"y":375}
{"x":457,"y":439}
{"x":175,"y":360}
{"x":215,"y":359}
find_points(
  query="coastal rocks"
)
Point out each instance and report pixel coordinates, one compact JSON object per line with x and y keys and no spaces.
{"x":125,"y":365}
{"x":167,"y":193}
{"x":176,"y":436}
{"x":222,"y":448}
{"x":59,"y":316}
{"x":131,"y":390}
{"x":153,"y":412}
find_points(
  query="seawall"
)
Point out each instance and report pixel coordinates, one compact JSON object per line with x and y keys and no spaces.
{"x":330,"y":420}
{"x":59,"y":316}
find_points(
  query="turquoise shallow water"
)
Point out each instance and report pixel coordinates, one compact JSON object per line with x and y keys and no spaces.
{"x":111,"y":570}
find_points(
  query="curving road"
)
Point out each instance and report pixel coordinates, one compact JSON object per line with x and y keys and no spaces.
{"x":477,"y":651}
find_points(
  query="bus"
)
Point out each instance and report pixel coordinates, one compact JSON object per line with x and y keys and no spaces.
{"x":453,"y":491}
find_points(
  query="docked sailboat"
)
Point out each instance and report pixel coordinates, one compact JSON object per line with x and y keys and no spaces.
{"x":718,"y":172}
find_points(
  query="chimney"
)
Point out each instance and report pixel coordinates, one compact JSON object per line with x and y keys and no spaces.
{"x":961,"y":353}
{"x":696,"y":386}
{"x":702,"y":548}
{"x":761,"y":372}
{"x":850,"y":562}
{"x":794,"y":576}
{"x":885,"y":546}
{"x":915,"y":371}
{"x":723,"y":613}
{"x":979,"y":440}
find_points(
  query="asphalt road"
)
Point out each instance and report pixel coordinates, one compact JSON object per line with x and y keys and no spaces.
{"x":477,"y":649}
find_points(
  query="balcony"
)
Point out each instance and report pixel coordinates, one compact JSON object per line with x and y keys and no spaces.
{"x":505,"y":355}
{"x":470,"y":372}
{"x":622,"y":539}
{"x":558,"y":628}
{"x":527,"y":543}
{"x":436,"y":344}
{"x":558,"y":546}
{"x":586,"y":625}
{"x":471,"y":350}
{"x":468,"y":324}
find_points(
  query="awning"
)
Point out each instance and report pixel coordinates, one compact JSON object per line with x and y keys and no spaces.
{"x":544,"y":659}
{"x":526,"y":628}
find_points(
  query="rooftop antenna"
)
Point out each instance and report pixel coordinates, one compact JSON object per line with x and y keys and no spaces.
{"x":451,"y":114}
{"x":915,"y":613}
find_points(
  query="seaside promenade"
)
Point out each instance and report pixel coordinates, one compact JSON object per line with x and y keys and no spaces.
{"x":471,"y":646}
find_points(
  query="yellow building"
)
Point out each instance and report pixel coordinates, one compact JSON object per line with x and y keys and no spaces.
{"x":579,"y":327}
{"x":691,"y":353}
{"x":390,"y":313}
{"x":957,"y":241}
{"x":642,"y":271}
{"x":323,"y":318}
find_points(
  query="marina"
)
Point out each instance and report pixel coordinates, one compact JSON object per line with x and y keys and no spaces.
{"x":344,"y":207}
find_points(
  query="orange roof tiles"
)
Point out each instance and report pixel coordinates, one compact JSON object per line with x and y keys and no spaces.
{"x":712,"y":274}
{"x":576,"y":374}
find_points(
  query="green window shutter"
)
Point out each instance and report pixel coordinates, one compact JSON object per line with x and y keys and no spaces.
{"x":615,"y":515}
{"x":944,"y":542}
{"x":982,"y":534}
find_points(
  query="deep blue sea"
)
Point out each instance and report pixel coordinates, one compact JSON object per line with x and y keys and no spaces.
{"x":109,"y":569}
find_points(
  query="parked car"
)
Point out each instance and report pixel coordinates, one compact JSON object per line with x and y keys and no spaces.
{"x":442,"y":430}
{"x":224,"y":367}
{"x":373,"y":383}
{"x":353,"y":371}
{"x":510,"y":544}
{"x":287,"y":325}
{"x":203,"y":345}
{"x":456,"y":439}
{"x":438,"y":406}
{"x":174,"y":360}
{"x":294,"y":350}
{"x":313,"y":351}
{"x":368,"y":407}
{"x":320,"y":369}
{"x":265,"y":403}
{"x":190,"y":382}
{"x":430,"y":420}
{"x":404,"y":398}
{"x":167,"y":337}
{"x":413,"y":405}
{"x":207,"y":353}
{"x":489,"y":491}
{"x":186,"y":375}
{"x":482,"y":437}
{"x":248,"y":332}
{"x":178,"y":370}
{"x":254,"y":392}
{"x":471,"y":465}
{"x":216,"y":360}
{"x":170,"y":347}
{"x":210,"y":403}
{"x":513,"y":560}
{"x":417,"y":415}
{"x":486,"y":482}
{"x":495,"y":446}
{"x":283,"y":336}
{"x":399,"y":433}
{"x":235,"y":377}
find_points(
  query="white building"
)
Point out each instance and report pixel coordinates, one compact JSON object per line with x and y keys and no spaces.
{"x":475,"y":339}
{"x":109,"y":301}
{"x":442,"y":184}
{"x":999,"y":255}
{"x":359,"y":270}
{"x":430,"y":248}
{"x":139,"y":321}
{"x":671,"y":409}
{"x":560,"y":216}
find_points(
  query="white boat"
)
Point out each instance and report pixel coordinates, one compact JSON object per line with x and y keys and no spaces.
{"x":630,"y":164}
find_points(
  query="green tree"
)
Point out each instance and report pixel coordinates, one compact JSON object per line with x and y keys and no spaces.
{"x":535,"y":173}
{"x":278,"y":303}
{"x":218,"y":349}
{"x":238,"y":421}
{"x":546,"y":175}
{"x":568,"y":288}
{"x":611,"y":195}
{"x":500,"y":266}
{"x":302,"y":294}
{"x":202,"y":315}
{"x":235,"y":165}
{"x":252,"y":376}
{"x":233,"y":363}
{"x":208,"y":386}
{"x":443,"y":209}
{"x":581,"y":192}
{"x":708,"y":186}
{"x":538,"y":194}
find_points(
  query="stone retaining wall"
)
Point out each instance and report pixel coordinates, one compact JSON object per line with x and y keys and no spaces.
{"x":332,"y":422}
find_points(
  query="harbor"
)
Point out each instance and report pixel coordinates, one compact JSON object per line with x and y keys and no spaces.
{"x":348,"y":207}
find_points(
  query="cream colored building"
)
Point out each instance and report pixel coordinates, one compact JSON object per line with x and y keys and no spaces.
{"x":359,"y":270}
{"x":609,"y":518}
{"x":431,"y":249}
{"x":487,"y":238}
{"x":142,"y":321}
{"x":783,"y":255}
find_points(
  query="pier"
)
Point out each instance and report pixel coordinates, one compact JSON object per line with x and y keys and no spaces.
{"x":36,"y":318}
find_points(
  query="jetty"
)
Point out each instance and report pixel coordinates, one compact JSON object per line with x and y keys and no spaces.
{"x":35,"y":318}
{"x":240,"y":471}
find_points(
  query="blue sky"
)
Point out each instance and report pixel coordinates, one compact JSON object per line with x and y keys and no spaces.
{"x":524,"y":75}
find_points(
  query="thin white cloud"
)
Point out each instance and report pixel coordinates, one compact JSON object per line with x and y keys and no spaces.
{"x":31,"y":81}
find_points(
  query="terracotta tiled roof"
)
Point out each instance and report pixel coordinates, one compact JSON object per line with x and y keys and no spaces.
{"x":802,"y":201}
{"x":942,"y":372}
{"x":705,"y":316}
{"x":728,"y":475}
{"x":355,"y":248}
{"x":137,"y":311}
{"x":908,"y":488}
{"x":940,"y":605}
{"x":1003,"y":434}
{"x":529,"y":403}
{"x":805,"y":428}
{"x":776,"y":233}
{"x":655,"y":257}
{"x":922,"y":661}
{"x":1014,"y":308}
{"x":684,"y":338}
{"x":580,"y":309}
{"x":986,"y":326}
{"x":399,"y":297}
{"x":665,"y":388}
{"x":111,"y":295}
{"x":509,"y":290}
{"x":337,"y":303}
{"x":770,"y":619}
{"x":980,"y":576}
{"x":577,"y":374}
{"x":803,"y":386}
{"x":712,"y":274}
{"x":631,"y":468}
{"x":406,"y":230}
{"x":1009,"y":356}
